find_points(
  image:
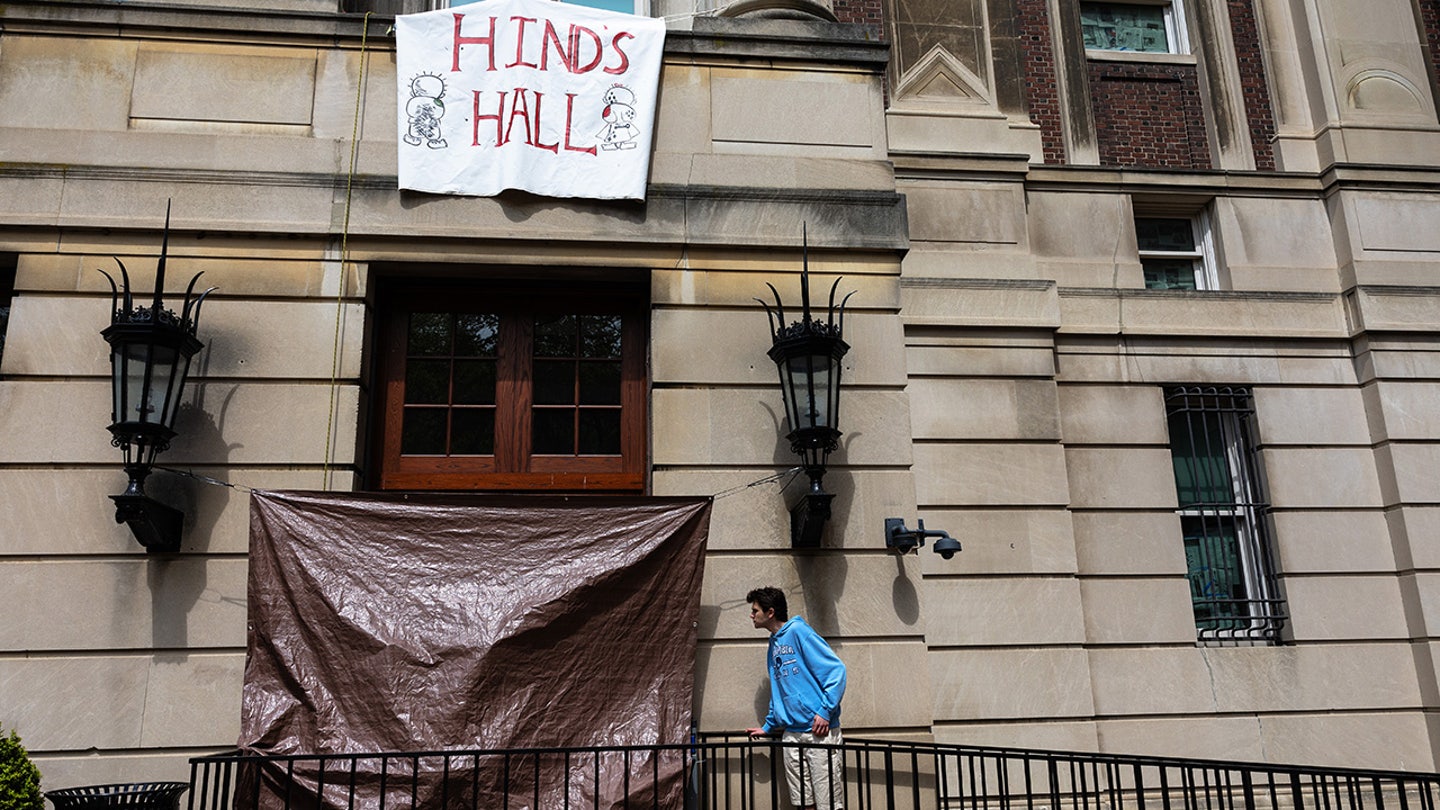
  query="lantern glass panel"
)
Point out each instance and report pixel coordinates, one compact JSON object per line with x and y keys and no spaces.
{"x":178,"y":373}
{"x":138,"y":404}
{"x":809,"y":376}
{"x":134,"y":402}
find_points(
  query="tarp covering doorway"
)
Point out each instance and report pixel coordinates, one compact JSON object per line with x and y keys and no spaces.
{"x":431,"y":621}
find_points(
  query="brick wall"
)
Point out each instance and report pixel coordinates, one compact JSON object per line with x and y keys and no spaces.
{"x":1148,"y":115}
{"x":1259,"y":114}
{"x":862,"y":12}
{"x":1430,"y":22}
{"x":1042,"y":90}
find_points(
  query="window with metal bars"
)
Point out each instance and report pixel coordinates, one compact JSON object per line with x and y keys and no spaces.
{"x":1223,"y":514}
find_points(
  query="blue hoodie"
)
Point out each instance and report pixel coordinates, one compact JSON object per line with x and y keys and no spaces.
{"x":806,"y":678}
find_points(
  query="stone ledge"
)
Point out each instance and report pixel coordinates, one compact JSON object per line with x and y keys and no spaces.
{"x":1174,"y":182}
{"x":745,"y":38}
{"x":780,"y":39}
{"x":130,"y":19}
{"x":673,"y":214}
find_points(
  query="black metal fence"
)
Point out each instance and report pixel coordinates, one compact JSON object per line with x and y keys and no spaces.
{"x":733,"y":773}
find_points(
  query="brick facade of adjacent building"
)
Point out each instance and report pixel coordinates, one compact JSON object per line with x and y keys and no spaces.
{"x":1430,"y":24}
{"x":1042,"y":89}
{"x":862,"y":12}
{"x":1148,"y":115}
{"x":1259,"y":115}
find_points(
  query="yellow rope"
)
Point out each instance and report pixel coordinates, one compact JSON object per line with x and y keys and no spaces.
{"x":345,"y":243}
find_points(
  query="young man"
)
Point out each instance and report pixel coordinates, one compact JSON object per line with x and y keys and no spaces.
{"x":807,"y":681}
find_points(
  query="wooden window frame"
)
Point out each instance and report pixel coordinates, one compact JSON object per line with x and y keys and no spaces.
{"x":512,"y":467}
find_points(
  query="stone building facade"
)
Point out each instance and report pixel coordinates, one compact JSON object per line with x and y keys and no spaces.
{"x":1153,"y":329}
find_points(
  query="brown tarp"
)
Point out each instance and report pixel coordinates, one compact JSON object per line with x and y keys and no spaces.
{"x":427,"y":622}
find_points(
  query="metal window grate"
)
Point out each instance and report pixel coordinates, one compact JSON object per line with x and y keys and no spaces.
{"x":1223,"y":514}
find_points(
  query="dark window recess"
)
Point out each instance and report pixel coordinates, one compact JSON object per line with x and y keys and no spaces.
{"x":1223,"y":514}
{"x":509,"y":389}
{"x":7,"y":292}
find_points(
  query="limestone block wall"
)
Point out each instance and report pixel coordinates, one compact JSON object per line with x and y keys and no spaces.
{"x":118,"y":667}
{"x":1036,"y":385}
{"x":717,"y":426}
{"x":123,"y":667}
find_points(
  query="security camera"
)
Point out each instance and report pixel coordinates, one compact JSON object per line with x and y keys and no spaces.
{"x":946,"y":546}
{"x":901,"y":540}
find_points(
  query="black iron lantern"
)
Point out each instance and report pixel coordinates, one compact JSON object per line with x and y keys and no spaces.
{"x":150,"y":352}
{"x":808,"y":354}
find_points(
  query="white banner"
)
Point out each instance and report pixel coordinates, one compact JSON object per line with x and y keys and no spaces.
{"x":547,"y":97}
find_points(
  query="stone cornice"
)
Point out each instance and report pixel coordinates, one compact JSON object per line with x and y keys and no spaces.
{"x":1162,"y":182}
{"x":710,"y":37}
{"x":867,"y":219}
{"x":1133,"y":181}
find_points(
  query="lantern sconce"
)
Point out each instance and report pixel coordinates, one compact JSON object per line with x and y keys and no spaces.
{"x":150,"y":352}
{"x":807,"y":354}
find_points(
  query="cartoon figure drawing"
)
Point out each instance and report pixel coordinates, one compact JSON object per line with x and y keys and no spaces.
{"x":619,"y":114}
{"x":425,"y":109}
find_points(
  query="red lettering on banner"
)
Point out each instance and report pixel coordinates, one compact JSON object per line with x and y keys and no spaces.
{"x":569,"y":118}
{"x":488,"y":41}
{"x":497,"y":117}
{"x":521,"y":109}
{"x":531,"y":118}
{"x":624,"y":57}
{"x":575,"y":66}
{"x":549,"y":147}
{"x":553,"y":38}
{"x":520,"y":43}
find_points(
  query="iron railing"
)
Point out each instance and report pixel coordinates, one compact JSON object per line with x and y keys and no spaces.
{"x":733,"y":773}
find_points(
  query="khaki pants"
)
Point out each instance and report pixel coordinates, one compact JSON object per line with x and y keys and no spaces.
{"x":823,"y":766}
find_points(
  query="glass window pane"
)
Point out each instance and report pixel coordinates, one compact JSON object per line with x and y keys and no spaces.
{"x":429,"y":333}
{"x":1202,"y":473}
{"x":622,"y":6}
{"x":555,"y":335}
{"x":423,"y":433}
{"x":600,"y":431}
{"x":600,"y":336}
{"x":427,"y":382}
{"x":1124,"y":27}
{"x":475,"y":382}
{"x":600,"y":383}
{"x":472,"y":432}
{"x":1170,"y":274}
{"x":1217,"y":575}
{"x":1165,"y":234}
{"x":553,"y":431}
{"x":554,"y":382}
{"x":476,"y":335}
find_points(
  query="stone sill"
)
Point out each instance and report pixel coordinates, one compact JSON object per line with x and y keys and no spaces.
{"x":1134,"y":180}
{"x":1142,"y":57}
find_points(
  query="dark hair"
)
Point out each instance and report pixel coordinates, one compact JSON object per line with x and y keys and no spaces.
{"x":769,"y":598}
